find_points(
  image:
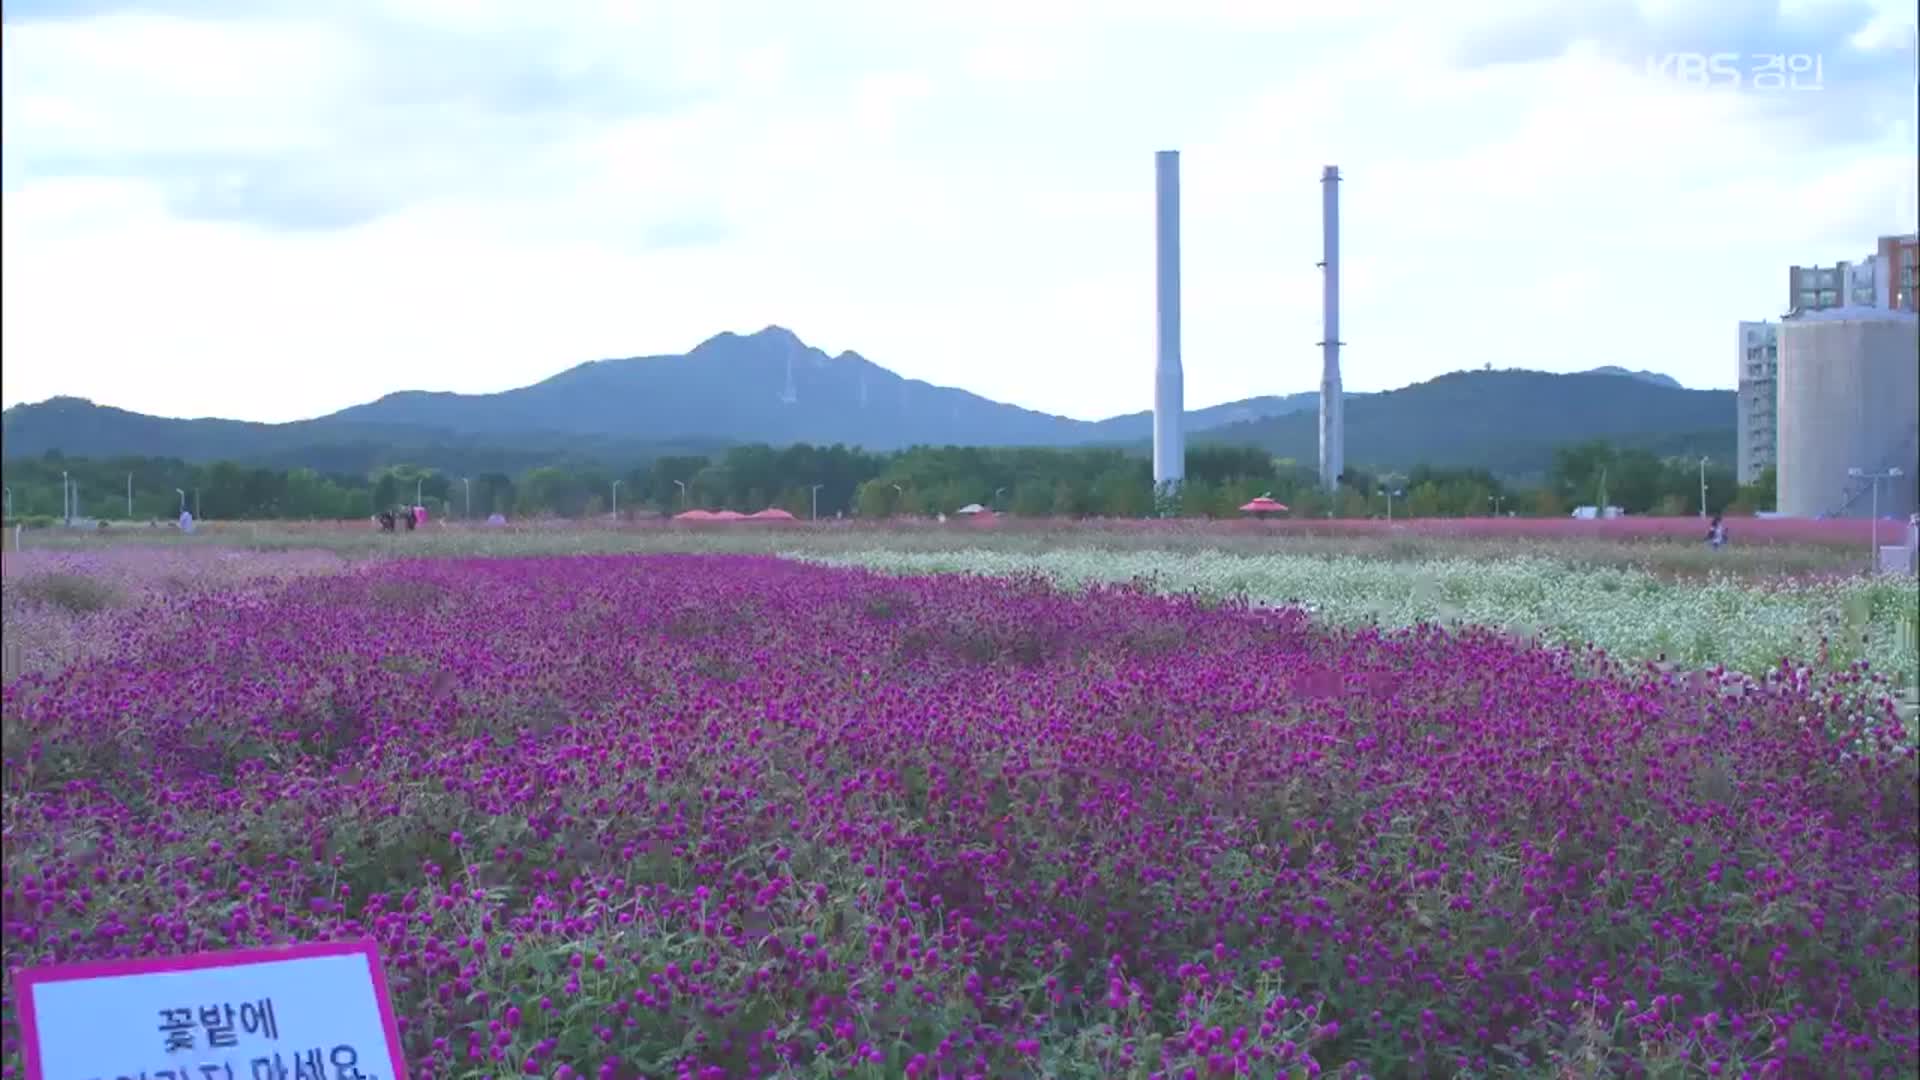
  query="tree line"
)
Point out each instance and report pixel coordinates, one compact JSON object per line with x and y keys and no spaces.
{"x":841,"y":481}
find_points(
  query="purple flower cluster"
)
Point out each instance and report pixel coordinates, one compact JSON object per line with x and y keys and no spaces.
{"x":731,"y":816}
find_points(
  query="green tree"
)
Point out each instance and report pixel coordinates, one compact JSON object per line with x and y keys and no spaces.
{"x":1578,"y":469}
{"x":1031,"y":498}
{"x":876,"y":499}
{"x":1120,"y":491}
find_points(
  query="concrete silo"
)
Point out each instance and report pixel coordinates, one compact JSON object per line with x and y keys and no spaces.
{"x":1849,"y":399}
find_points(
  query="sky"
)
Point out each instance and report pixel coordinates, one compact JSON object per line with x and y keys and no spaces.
{"x":269,"y":209}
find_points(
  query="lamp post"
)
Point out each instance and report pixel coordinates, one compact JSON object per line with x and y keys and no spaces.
{"x":1703,"y":487}
{"x":899,"y":496}
{"x":417,"y":482}
{"x":129,"y":496}
{"x":682,"y":485}
{"x":66,"y":499}
{"x":466,"y":483}
{"x":815,"y":493}
{"x":6,"y":500}
{"x":1390,"y":494}
{"x":1496,"y":500}
{"x":183,"y":499}
{"x":997,"y":492}
{"x":1873,"y":536}
{"x":616,"y":500}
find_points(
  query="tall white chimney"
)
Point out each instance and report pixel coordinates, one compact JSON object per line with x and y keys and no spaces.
{"x":1169,"y":385}
{"x":1333,"y":428}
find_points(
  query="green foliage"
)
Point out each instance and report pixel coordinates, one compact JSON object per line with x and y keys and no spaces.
{"x":922,"y":480}
{"x":1637,"y":481}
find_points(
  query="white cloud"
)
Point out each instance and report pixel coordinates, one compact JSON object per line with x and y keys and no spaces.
{"x":269,"y":218}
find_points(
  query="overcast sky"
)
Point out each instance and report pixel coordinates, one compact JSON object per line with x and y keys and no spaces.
{"x":271,"y":209}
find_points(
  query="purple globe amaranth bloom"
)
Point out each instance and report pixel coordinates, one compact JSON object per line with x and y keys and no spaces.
{"x":795,"y":814}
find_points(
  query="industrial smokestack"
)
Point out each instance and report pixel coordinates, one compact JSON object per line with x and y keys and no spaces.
{"x":1169,"y":385}
{"x":1333,"y":428}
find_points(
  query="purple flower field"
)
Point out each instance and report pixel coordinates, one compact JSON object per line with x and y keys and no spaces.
{"x":716,"y":816}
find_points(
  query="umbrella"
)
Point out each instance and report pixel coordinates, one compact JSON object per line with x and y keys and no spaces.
{"x":1263,"y":505}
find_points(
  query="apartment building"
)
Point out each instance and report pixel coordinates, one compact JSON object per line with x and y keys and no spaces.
{"x":1814,"y":288}
{"x":1897,"y":256}
{"x":1887,"y":279}
{"x":1756,"y":429}
{"x":1866,"y":283}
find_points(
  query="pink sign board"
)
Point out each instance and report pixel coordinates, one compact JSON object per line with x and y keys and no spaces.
{"x":314,"y":1010}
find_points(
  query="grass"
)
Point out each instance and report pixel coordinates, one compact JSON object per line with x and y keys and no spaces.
{"x":1672,"y":554}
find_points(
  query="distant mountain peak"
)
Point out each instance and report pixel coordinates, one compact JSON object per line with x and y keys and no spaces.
{"x":773,"y":332}
{"x":770,"y":340}
{"x":1653,"y":377}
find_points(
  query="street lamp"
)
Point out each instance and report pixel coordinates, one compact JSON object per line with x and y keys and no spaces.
{"x":899,"y":496}
{"x":66,"y":499}
{"x":417,"y":500}
{"x":815,"y":492}
{"x":1703,"y":487}
{"x":466,"y":483}
{"x":1496,"y":500}
{"x":616,"y":500}
{"x":183,"y":499}
{"x":6,"y":499}
{"x":1391,"y":495}
{"x":682,"y":485}
{"x":129,"y":496}
{"x":997,"y":492}
{"x":1873,"y":540}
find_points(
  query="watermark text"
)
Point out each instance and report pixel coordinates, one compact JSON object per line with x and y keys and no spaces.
{"x":1739,"y":71}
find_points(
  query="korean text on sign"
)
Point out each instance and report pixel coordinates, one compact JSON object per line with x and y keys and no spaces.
{"x":305,"y":1012}
{"x":339,"y":1063}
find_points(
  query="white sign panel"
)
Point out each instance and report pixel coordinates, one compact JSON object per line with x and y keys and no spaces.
{"x":305,"y":1012}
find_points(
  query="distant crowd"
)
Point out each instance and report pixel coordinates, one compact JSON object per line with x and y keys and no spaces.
{"x":411,"y":517}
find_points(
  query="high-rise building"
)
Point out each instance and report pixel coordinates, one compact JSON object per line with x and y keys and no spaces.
{"x":1756,"y":430}
{"x":1866,"y":283}
{"x":1814,"y":288}
{"x":1900,"y":281}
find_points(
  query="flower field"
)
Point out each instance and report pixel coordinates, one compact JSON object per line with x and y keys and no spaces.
{"x":713,"y":816}
{"x":63,"y":605}
{"x":1761,"y":549}
{"x":1633,"y":614}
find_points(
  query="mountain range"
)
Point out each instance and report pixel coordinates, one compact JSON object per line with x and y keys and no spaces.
{"x":772,"y":387}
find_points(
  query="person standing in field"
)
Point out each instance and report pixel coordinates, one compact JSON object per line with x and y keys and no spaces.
{"x":1717,"y":533}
